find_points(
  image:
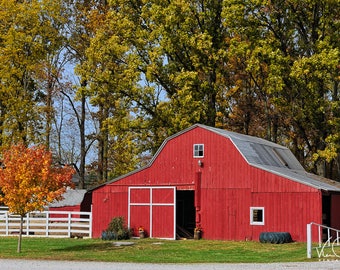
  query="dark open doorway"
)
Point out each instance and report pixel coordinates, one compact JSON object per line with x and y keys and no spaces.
{"x":326,"y":215}
{"x":185,"y":213}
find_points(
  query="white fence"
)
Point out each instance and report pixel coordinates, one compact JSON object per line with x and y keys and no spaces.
{"x":48,"y":224}
{"x":328,"y":243}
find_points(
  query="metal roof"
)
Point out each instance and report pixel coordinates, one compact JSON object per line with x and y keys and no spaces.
{"x":274,"y":158}
{"x":71,"y":197}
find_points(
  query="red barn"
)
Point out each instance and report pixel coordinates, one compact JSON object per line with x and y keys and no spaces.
{"x":233,"y":186}
{"x":73,"y":200}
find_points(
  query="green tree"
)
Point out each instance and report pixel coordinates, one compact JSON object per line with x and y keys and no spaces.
{"x":111,"y":77}
{"x":291,"y":53}
{"x":161,"y":61}
{"x":265,"y":68}
{"x":29,"y":41}
{"x":81,"y":26}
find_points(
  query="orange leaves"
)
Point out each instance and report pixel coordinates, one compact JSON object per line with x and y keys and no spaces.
{"x":28,"y":179}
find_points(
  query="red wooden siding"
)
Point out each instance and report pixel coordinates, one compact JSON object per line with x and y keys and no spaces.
{"x":225,"y":213}
{"x":74,"y":208}
{"x":140,"y":217}
{"x":226,"y":186}
{"x":163,"y":222}
{"x":141,"y":196}
{"x":288,"y":212}
{"x":108,"y":203}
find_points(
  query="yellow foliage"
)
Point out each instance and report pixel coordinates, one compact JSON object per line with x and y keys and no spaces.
{"x":28,"y":179}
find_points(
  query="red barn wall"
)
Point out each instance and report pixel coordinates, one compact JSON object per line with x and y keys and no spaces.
{"x":108,"y":203}
{"x":229,"y":187}
{"x":74,"y":208}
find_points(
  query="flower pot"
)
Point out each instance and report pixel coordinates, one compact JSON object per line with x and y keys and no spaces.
{"x":197,"y":235}
{"x":141,"y":234}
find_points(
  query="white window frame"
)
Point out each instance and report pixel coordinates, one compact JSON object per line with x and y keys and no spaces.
{"x":252,"y":222}
{"x":198,"y":150}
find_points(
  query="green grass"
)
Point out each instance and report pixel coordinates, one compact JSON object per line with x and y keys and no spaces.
{"x":153,"y":251}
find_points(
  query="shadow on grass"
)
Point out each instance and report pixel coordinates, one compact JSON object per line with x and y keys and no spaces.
{"x":104,"y":246}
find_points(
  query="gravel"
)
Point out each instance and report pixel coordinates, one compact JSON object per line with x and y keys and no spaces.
{"x":6,"y":264}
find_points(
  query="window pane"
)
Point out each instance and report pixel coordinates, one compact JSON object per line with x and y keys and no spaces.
{"x":257,"y":215}
{"x":198,"y":150}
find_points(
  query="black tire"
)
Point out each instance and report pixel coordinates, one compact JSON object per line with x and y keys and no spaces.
{"x":275,"y":237}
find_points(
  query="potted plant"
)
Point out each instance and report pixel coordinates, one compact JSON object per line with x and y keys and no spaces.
{"x":197,"y":232}
{"x":141,"y":232}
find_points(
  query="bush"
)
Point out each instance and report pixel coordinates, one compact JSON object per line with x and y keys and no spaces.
{"x":117,"y":230}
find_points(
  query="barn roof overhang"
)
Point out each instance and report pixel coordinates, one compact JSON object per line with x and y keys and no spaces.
{"x":304,"y":178}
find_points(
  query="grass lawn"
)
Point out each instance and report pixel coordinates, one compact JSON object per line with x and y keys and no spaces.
{"x":152,"y":250}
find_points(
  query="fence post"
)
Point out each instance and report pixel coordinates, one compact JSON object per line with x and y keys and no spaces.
{"x":69,"y":224}
{"x":309,"y":241}
{"x":7,"y":225}
{"x":47,"y":222}
{"x":90,"y":223}
{"x":27,"y":223}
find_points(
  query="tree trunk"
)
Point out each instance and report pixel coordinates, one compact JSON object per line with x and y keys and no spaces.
{"x":49,"y":114}
{"x":103,"y":145}
{"x":20,"y":234}
{"x":82,"y":142}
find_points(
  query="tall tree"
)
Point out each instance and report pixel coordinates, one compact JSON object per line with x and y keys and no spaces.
{"x":183,"y":52}
{"x":291,"y":53}
{"x":29,"y":180}
{"x":111,"y":76}
{"x":162,"y":59}
{"x":29,"y":36}
{"x":265,"y":68}
{"x":80,"y":30}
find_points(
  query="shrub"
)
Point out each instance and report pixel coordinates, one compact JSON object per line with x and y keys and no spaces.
{"x":117,"y":230}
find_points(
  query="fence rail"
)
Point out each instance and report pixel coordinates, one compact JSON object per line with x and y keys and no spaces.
{"x":47,"y":224}
{"x":327,"y":244}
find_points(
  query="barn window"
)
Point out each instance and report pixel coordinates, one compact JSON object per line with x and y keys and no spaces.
{"x":198,"y":150}
{"x":257,"y":215}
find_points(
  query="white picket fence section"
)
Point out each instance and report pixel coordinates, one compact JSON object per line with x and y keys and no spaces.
{"x":47,"y":224}
{"x":328,"y":243}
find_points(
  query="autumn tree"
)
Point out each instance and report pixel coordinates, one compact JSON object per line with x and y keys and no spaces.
{"x":149,"y":76}
{"x":111,"y":74}
{"x":152,"y":68}
{"x":182,"y":48}
{"x":29,"y":180}
{"x":290,"y":53}
{"x":83,"y":19}
{"x":30,"y":39}
{"x":265,"y":68}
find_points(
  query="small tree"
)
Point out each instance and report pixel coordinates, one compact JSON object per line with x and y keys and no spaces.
{"x":29,"y":181}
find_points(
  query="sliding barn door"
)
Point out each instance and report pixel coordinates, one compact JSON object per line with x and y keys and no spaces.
{"x":154,"y":209}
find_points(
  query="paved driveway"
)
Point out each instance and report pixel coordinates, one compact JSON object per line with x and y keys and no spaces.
{"x":71,"y":265}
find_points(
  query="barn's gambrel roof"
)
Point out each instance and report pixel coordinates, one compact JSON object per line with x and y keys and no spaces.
{"x":261,"y":154}
{"x":274,"y":158}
